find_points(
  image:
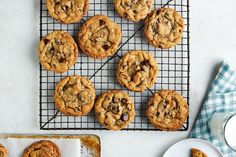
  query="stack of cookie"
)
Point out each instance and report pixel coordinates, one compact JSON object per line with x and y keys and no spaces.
{"x":99,"y":37}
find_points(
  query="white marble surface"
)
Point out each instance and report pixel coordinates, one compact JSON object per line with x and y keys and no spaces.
{"x":213,"y":34}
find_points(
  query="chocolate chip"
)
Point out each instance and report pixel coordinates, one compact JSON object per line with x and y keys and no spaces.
{"x":109,"y":108}
{"x":52,"y":49}
{"x":145,"y":63}
{"x":118,"y":122}
{"x":46,"y":41}
{"x":105,"y":47}
{"x":62,"y":60}
{"x":123,"y":100}
{"x":127,"y":4}
{"x":66,"y":87}
{"x":155,"y":26}
{"x":80,"y":98}
{"x":164,"y":104}
{"x":101,"y":22}
{"x":65,"y":7}
{"x":115,"y":100}
{"x":125,"y":15}
{"x":54,"y":65}
{"x":125,"y":116}
{"x":52,"y":52}
{"x":158,"y":12}
{"x":114,"y":109}
{"x":77,"y":109}
{"x":134,"y":11}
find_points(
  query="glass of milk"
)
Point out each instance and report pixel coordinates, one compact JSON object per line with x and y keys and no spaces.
{"x":223,"y":126}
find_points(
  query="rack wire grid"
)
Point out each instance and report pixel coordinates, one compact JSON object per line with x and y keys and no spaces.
{"x":173,"y":67}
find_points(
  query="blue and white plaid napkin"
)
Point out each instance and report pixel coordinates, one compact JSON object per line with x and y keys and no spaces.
{"x":221,"y":97}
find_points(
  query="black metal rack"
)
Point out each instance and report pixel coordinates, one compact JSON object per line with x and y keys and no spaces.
{"x":173,"y":66}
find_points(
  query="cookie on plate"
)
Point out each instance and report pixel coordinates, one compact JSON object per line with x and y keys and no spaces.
{"x":167,"y":110}
{"x":99,"y":37}
{"x":3,"y":151}
{"x":57,"y":51}
{"x":42,"y":148}
{"x":114,"y":109}
{"x":67,"y":11}
{"x":74,"y":95}
{"x":137,"y":70}
{"x":134,"y":10}
{"x":197,"y":153}
{"x":164,"y":28}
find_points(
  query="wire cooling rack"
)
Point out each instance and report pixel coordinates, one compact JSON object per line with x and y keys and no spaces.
{"x":173,"y":67}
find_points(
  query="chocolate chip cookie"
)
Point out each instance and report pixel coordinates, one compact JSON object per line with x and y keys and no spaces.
{"x":42,"y":148}
{"x":134,"y":10}
{"x":164,"y":28}
{"x":99,"y":37}
{"x":137,"y":70}
{"x":167,"y":110}
{"x":114,"y":109}
{"x":67,"y":11}
{"x":74,"y":95}
{"x":57,"y":51}
{"x":197,"y":153}
{"x":3,"y":151}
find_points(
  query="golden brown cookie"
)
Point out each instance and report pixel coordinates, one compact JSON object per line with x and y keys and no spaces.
{"x":74,"y":95}
{"x":137,"y":70}
{"x":3,"y":151}
{"x":164,"y":28}
{"x":134,"y":10}
{"x":58,"y":51}
{"x":99,"y":37}
{"x":167,"y":110}
{"x":114,"y":109}
{"x":67,"y":11}
{"x":197,"y":153}
{"x":42,"y":148}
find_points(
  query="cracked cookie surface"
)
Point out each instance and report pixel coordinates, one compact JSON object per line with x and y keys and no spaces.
{"x":137,"y":70}
{"x":134,"y":10}
{"x":57,"y":51}
{"x":167,"y":110}
{"x":67,"y":11}
{"x":99,"y":37}
{"x":42,"y":148}
{"x":114,"y":109}
{"x":3,"y":151}
{"x":164,"y":28}
{"x":74,"y":95}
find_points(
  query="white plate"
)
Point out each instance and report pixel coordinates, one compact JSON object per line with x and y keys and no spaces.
{"x":183,"y":148}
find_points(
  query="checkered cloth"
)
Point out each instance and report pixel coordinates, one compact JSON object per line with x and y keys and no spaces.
{"x":221,"y":97}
